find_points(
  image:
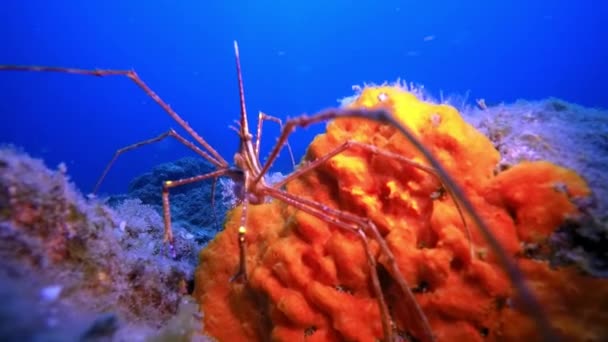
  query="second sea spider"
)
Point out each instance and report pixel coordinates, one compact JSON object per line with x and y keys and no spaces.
{"x":248,"y":173}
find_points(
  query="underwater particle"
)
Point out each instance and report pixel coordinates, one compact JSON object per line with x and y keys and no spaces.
{"x":50,"y":293}
{"x":382,"y":97}
{"x":122,"y":225}
{"x":438,"y":194}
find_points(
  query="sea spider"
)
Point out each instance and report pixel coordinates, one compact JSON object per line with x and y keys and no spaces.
{"x":248,"y":172}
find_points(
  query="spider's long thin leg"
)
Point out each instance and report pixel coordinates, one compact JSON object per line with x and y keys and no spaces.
{"x":250,"y":160}
{"x":217,"y":159}
{"x":361,"y":227}
{"x":261,"y":117}
{"x":243,"y":119}
{"x":170,"y":133}
{"x":167,"y":185}
{"x":241,"y":273}
{"x":304,"y":121}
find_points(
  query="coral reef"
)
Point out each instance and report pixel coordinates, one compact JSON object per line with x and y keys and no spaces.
{"x":75,"y":269}
{"x":311,"y":281}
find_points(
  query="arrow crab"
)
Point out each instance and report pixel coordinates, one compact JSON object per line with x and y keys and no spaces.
{"x":248,"y":173}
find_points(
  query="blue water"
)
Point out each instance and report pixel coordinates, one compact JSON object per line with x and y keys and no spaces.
{"x":297,"y":56}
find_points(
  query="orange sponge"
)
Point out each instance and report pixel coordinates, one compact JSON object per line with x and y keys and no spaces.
{"x":309,"y":280}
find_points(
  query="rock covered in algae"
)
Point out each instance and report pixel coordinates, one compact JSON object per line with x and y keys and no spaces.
{"x":187,"y":201}
{"x":311,"y":281}
{"x":73,"y":269}
{"x":553,"y":130}
{"x":569,"y":135}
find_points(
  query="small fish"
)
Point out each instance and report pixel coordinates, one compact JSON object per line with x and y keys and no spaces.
{"x":428,"y":38}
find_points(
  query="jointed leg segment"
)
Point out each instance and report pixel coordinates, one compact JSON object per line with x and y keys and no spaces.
{"x":170,"y":133}
{"x":216,"y":159}
{"x":168,"y":236}
{"x":261,"y":117}
{"x":241,"y":273}
{"x":210,"y":154}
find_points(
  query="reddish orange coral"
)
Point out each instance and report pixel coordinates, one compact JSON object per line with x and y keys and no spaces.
{"x":311,"y":281}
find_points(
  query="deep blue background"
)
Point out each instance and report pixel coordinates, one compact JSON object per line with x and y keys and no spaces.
{"x":297,"y":56}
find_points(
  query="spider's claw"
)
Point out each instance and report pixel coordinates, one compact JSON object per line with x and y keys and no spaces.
{"x":169,"y":249}
{"x":239,"y":277}
{"x":168,"y":244}
{"x":241,"y":274}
